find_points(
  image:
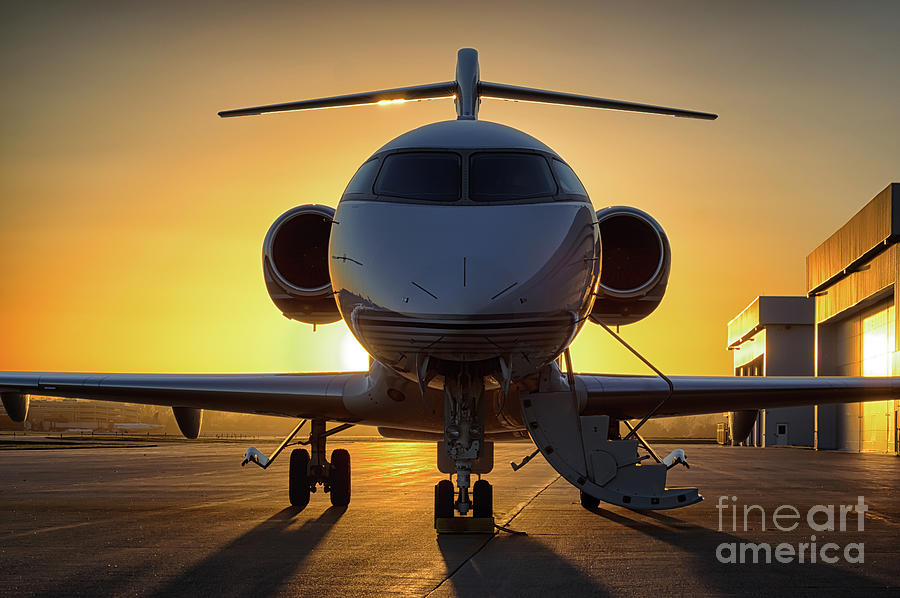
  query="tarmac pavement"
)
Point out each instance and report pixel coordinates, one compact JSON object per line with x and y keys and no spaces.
{"x":183,"y":518}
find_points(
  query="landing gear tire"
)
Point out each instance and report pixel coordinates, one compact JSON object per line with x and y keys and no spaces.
{"x":340,"y":478}
{"x":443,"y":499}
{"x":298,"y":478}
{"x":483,"y":499}
{"x":588,"y":501}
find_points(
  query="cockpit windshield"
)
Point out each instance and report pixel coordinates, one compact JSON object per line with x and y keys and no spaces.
{"x":507,"y":176}
{"x":482,"y":176}
{"x":568,"y":180}
{"x":428,"y":176}
{"x":363,"y":179}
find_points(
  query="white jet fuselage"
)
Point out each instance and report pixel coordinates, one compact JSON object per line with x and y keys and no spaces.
{"x":463,"y":281}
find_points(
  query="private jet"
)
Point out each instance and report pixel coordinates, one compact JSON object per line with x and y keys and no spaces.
{"x":465,"y":256}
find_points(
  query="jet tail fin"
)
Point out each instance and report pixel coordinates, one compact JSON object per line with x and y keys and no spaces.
{"x":467,"y":89}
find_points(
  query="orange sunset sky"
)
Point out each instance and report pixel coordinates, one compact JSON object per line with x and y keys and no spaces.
{"x":132,"y":217}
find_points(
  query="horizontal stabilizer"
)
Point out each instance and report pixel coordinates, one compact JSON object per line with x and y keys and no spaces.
{"x":467,"y":89}
{"x":400,"y":94}
{"x":526,"y":94}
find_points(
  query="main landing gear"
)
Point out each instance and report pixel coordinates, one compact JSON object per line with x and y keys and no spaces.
{"x":464,"y":452}
{"x":308,"y":471}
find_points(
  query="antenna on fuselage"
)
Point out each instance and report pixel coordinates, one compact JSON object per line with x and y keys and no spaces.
{"x":467,"y":89}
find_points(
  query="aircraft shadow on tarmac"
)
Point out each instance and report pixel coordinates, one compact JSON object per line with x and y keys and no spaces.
{"x":520,"y":566}
{"x":699,"y":546}
{"x":258,"y":562}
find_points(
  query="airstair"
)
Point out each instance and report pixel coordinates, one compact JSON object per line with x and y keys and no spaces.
{"x":609,"y":470}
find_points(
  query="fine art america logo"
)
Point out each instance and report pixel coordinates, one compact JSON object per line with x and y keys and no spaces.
{"x":788,"y":518}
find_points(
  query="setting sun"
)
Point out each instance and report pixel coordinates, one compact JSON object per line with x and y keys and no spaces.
{"x":353,"y":356}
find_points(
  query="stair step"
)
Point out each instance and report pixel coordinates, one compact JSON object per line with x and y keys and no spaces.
{"x":579,"y":448}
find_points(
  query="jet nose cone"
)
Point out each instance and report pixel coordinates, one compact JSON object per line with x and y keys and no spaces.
{"x":465,"y":284}
{"x":465,"y":260}
{"x":462,"y":282}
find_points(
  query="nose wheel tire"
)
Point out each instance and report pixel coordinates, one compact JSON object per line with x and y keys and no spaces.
{"x":483,"y":499}
{"x":298,"y":478}
{"x":340,"y":478}
{"x":443,"y":499}
{"x":588,"y":501}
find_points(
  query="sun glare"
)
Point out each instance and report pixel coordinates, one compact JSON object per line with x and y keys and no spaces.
{"x":353,"y":356}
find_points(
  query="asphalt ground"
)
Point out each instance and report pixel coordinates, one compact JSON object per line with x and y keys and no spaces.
{"x":185,"y":519}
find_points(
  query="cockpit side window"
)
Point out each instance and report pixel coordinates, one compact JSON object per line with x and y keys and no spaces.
{"x":428,"y":176}
{"x":508,"y":176}
{"x":363,"y":179}
{"x":568,"y":180}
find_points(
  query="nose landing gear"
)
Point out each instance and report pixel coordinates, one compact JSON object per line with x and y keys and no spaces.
{"x":483,"y":498}
{"x":464,"y":452}
{"x":445,"y":508}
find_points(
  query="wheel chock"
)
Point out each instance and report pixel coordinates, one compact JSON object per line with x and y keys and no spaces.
{"x":464,"y":525}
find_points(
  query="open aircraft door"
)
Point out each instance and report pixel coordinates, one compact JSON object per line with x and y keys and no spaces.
{"x":579,"y":448}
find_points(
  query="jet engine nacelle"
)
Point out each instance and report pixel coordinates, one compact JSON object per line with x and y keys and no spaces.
{"x":635,"y":261}
{"x":16,"y":405}
{"x":295,"y":264}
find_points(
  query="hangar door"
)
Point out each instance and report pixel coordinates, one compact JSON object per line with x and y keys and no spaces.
{"x":862,"y":344}
{"x":877,"y":338}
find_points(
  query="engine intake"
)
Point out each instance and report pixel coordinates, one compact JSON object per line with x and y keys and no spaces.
{"x":635,"y":261}
{"x":295,"y":265}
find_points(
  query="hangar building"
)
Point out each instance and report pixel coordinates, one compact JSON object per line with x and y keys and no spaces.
{"x":846,"y":326}
{"x":774,"y":336}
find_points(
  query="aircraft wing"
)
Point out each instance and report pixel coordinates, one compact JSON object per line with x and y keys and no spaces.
{"x":290,"y":395}
{"x":321,"y":395}
{"x":633,"y":397}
